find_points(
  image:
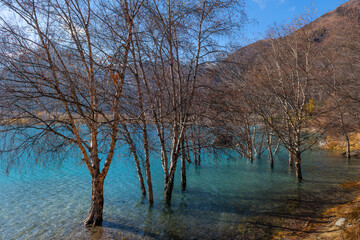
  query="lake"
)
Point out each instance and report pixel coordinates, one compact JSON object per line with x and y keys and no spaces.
{"x":224,"y":196}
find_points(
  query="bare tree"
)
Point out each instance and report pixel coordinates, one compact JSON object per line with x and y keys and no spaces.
{"x":180,"y":40}
{"x":342,"y":87}
{"x":278,"y":90}
{"x":289,"y":85}
{"x":64,"y":74}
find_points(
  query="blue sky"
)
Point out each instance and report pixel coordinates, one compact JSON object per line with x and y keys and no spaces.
{"x":267,"y":12}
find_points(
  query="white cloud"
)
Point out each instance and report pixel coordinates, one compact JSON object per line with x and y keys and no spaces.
{"x":292,"y":9}
{"x":282,"y":1}
{"x":261,"y":3}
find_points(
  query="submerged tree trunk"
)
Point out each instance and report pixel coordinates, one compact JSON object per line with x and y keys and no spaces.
{"x":199,"y":155}
{"x":271,"y":156}
{"x":137,"y":162}
{"x":277,"y":147}
{"x":147,"y":168}
{"x":195,"y":157}
{"x":291,"y":160}
{"x":269,"y":143}
{"x":95,"y":216}
{"x":253,"y":144}
{"x":298,"y":165}
{"x":183,"y":166}
{"x":132,"y":147}
{"x":347,"y":146}
{"x":169,"y":185}
{"x":347,"y":140}
{"x":140,"y":176}
{"x":250,"y":153}
{"x":199,"y":146}
{"x":260,"y":151}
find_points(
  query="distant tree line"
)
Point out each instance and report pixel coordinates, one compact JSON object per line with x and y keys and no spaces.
{"x":294,"y":88}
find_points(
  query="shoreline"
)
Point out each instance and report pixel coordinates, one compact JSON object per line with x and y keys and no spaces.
{"x":340,"y":221}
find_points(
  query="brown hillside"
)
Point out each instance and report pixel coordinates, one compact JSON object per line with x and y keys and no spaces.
{"x":331,"y":30}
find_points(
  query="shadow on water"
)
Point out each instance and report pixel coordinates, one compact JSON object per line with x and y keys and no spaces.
{"x":132,"y":229}
{"x":296,"y":215}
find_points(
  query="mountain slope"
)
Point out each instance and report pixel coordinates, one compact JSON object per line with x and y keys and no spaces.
{"x":330,"y":31}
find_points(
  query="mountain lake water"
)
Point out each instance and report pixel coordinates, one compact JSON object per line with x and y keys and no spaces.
{"x":224,"y":196}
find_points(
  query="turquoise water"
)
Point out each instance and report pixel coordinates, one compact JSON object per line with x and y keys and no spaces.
{"x":222,"y":195}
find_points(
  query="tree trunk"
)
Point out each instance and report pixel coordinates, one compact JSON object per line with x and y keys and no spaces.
{"x":271,"y":156}
{"x":140,"y":176}
{"x":251,"y":154}
{"x":199,"y":145}
{"x":347,"y":146}
{"x":199,"y":155}
{"x":95,"y":216}
{"x":347,"y":140}
{"x":260,"y":151}
{"x":147,"y":164}
{"x":269,"y":143}
{"x":277,"y":147}
{"x":291,"y":160}
{"x":136,"y":159}
{"x":298,"y":165}
{"x":148,"y":179}
{"x":169,"y":185}
{"x":195,"y":156}
{"x":183,"y":166}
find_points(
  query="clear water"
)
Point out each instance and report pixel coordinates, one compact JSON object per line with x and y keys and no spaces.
{"x":222,"y":195}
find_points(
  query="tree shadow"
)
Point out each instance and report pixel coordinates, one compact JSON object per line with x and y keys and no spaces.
{"x":132,"y":229}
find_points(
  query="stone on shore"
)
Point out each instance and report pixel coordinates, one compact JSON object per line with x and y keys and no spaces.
{"x":340,"y":222}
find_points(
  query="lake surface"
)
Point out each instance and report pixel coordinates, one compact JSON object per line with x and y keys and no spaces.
{"x":222,"y":196}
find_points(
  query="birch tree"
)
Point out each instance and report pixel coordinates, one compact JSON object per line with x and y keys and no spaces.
{"x":289,"y":87}
{"x":181,"y":38}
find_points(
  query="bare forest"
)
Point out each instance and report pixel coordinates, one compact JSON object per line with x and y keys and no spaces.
{"x":84,"y":78}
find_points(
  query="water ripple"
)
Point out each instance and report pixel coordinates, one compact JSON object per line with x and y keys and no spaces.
{"x":50,"y":203}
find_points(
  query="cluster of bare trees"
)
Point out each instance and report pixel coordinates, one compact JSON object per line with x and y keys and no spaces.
{"x":293,"y":90}
{"x":87,"y":76}
{"x":343,"y":86}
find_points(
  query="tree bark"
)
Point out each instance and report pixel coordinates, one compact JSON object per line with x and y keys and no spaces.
{"x":277,"y":147}
{"x":199,"y":155}
{"x":136,"y":158}
{"x":347,"y":146}
{"x":291,"y":160}
{"x":271,"y":156}
{"x":169,"y":185}
{"x":195,"y":156}
{"x":251,"y":154}
{"x":140,"y":176}
{"x":183,"y":167}
{"x":199,"y":145}
{"x":298,"y":165}
{"x":269,"y":143}
{"x":147,"y":167}
{"x":95,"y":216}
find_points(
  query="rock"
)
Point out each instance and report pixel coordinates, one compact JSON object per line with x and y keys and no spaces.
{"x":340,"y":222}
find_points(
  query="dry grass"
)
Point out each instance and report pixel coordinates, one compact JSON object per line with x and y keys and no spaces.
{"x":324,"y":227}
{"x":336,"y":144}
{"x":352,"y":229}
